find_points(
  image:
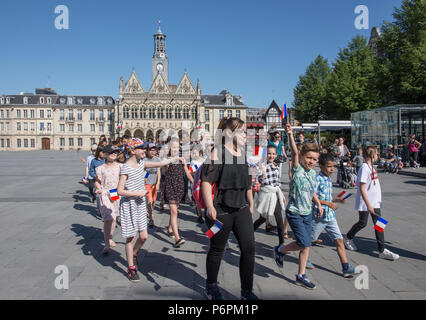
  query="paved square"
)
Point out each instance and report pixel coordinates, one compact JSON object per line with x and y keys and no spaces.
{"x":47,"y":220}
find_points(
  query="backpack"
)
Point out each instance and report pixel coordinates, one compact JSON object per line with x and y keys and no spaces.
{"x":196,"y":188}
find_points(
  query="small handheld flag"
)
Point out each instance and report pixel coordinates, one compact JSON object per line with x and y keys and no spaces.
{"x":113,"y":195}
{"x":349,"y":194}
{"x":215,"y":229}
{"x":341,"y":194}
{"x":284,"y":112}
{"x":193,"y":168}
{"x":84,"y":180}
{"x":380,"y":224}
{"x":146,"y":175}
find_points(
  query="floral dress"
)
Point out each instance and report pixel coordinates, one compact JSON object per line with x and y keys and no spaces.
{"x":109,"y":177}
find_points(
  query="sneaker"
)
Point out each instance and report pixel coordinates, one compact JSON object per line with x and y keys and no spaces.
{"x":212,"y":292}
{"x":309,"y":265}
{"x":349,"y":244}
{"x":388,"y":255}
{"x":248,"y":295}
{"x":279,"y":257}
{"x":133,"y":275}
{"x":349,"y":272}
{"x":318,"y":241}
{"x":179,"y":243}
{"x":304,"y":282}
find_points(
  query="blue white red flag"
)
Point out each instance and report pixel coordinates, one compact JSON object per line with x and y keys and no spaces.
{"x":113,"y":195}
{"x":380,"y":224}
{"x":215,"y":229}
{"x":193,"y":168}
{"x":84,"y":180}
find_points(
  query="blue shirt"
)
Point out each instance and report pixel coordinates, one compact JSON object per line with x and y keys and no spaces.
{"x":93,"y":165}
{"x":324,"y":191}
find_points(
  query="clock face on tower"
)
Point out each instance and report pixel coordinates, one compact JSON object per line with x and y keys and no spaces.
{"x":160,"y":67}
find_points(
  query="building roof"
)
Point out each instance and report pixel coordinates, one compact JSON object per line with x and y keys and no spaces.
{"x":220,"y":99}
{"x":34,"y":99}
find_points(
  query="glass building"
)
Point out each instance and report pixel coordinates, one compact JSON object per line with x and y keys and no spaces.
{"x":388,"y":125}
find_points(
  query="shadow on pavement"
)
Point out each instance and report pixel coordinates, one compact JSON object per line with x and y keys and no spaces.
{"x":93,"y":211}
{"x":417,"y":182}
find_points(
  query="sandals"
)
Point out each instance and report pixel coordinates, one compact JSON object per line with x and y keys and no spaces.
{"x":179,"y":243}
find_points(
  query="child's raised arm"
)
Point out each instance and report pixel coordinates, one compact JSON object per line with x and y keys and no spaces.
{"x":293,"y":147}
{"x":161,"y":163}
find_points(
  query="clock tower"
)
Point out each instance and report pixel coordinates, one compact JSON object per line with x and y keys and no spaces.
{"x":160,"y":62}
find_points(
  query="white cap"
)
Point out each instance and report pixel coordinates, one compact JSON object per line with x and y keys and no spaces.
{"x":94,"y":147}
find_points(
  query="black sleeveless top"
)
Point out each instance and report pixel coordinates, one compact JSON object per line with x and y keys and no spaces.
{"x":232,"y":180}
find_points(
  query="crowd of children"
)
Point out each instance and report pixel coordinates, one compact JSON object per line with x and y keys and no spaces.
{"x":125,"y":176}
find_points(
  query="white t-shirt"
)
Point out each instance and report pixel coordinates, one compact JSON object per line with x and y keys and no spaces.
{"x":88,"y":160}
{"x":372,"y":186}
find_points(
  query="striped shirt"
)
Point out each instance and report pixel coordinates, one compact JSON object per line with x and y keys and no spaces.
{"x":136,"y":176}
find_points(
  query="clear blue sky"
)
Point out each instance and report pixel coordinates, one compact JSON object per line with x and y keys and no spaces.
{"x":254,"y":48}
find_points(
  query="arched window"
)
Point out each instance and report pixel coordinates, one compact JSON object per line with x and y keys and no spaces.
{"x":186,"y":113}
{"x":178,"y":112}
{"x":169,"y":113}
{"x":143,"y":112}
{"x":194,"y":114}
{"x":151,"y":112}
{"x":160,"y":113}
{"x":134,"y":113}
{"x":126,"y":112}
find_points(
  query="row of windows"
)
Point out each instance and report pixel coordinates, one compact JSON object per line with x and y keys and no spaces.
{"x":26,"y":114}
{"x":222,"y":114}
{"x":68,"y":100}
{"x":5,"y":143}
{"x":71,"y":142}
{"x":101,"y":113}
{"x":159,"y":113}
{"x":25,"y":144}
{"x":24,"y":126}
{"x":101,"y":128}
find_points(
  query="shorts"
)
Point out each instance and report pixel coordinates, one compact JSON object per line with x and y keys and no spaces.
{"x":151,"y":196}
{"x":330,"y":227}
{"x":301,"y":227}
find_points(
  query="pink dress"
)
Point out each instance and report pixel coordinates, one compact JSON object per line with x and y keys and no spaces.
{"x":109,"y":177}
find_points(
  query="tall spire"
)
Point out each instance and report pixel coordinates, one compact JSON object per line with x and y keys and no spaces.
{"x":159,"y":27}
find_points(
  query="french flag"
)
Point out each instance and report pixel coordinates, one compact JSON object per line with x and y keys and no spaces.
{"x":193,"y":168}
{"x":215,"y":229}
{"x":341,"y":194}
{"x":113,"y":195}
{"x":284,"y":113}
{"x":380,"y":224}
{"x":84,"y":180}
{"x":347,"y":196}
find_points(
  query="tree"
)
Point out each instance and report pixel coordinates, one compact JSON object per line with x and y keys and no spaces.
{"x":401,"y":65}
{"x":310,"y":92}
{"x":352,"y":86}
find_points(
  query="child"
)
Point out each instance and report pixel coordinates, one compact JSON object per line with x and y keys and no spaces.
{"x":97,"y":161}
{"x":299,"y":207}
{"x":369,"y":200}
{"x":107,"y":176}
{"x":358,"y":160}
{"x":152,"y":183}
{"x":131,"y":188}
{"x":174,"y":190}
{"x":327,"y":220}
{"x":197,"y":159}
{"x":271,"y":199}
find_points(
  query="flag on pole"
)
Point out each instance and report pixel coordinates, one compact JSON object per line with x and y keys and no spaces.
{"x":284,"y":112}
{"x":380,"y":224}
{"x":146,"y":175}
{"x":215,"y":229}
{"x":113,"y":195}
{"x":193,"y":168}
{"x":84,"y":180}
{"x":347,"y":196}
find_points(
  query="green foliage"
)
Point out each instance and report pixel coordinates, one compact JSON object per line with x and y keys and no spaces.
{"x":352,"y":85}
{"x":402,"y":55}
{"x":310,"y":92}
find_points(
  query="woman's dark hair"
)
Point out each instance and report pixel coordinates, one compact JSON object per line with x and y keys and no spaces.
{"x":98,"y":151}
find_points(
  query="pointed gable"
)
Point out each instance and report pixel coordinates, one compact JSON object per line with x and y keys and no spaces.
{"x":185,"y":86}
{"x":133,"y":85}
{"x":159,"y":85}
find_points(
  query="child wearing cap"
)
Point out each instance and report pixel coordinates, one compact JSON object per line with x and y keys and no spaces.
{"x":133,"y":212}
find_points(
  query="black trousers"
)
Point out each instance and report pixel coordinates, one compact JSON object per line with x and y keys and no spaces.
{"x":240,"y":222}
{"x":92,"y":187}
{"x":362,"y":223}
{"x":280,"y":223}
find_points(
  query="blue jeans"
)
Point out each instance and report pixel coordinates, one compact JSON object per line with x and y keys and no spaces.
{"x":301,"y":227}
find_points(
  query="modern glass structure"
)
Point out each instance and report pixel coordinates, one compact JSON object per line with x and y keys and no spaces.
{"x":388,"y":125}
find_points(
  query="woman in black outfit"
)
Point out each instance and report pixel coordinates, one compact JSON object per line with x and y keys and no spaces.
{"x":232,"y":205}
